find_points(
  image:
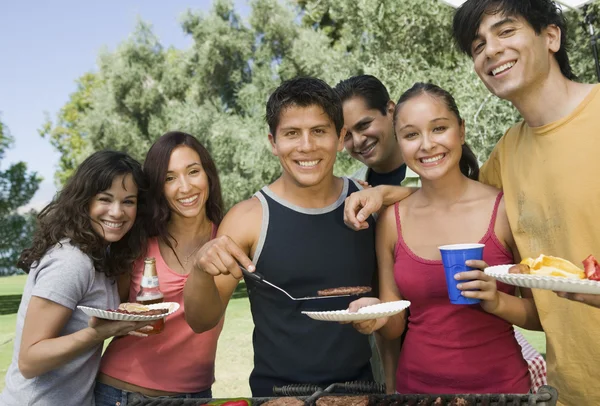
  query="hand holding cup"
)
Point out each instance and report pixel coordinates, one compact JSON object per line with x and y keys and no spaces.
{"x":454,"y":258}
{"x":478,"y":285}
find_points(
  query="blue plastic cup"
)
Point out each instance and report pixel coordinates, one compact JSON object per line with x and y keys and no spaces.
{"x":454,"y":257}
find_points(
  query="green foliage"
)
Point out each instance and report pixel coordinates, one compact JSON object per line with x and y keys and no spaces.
{"x":217,"y":88}
{"x":17,"y":187}
{"x":68,"y":135}
{"x":579,"y":46}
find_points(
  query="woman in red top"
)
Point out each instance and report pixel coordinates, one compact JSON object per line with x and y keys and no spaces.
{"x":448,"y":348}
{"x":186,"y":207}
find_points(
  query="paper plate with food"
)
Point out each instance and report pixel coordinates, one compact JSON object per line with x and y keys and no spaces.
{"x":364,"y":313}
{"x":133,"y":311}
{"x":551,"y":273}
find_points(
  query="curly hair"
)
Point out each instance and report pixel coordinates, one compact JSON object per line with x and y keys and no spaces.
{"x":68,"y":216}
{"x":156,"y":166}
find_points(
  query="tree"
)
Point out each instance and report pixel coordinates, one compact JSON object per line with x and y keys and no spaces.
{"x":579,"y":46}
{"x":68,"y":136}
{"x":218,"y":88}
{"x":17,"y":187}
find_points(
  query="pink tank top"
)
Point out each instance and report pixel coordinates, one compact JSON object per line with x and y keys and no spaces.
{"x":176,"y":360}
{"x":454,"y":348}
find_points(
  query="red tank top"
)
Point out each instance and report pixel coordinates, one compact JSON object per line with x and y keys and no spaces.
{"x":454,"y":348}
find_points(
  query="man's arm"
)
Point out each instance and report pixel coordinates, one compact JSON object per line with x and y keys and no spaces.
{"x":216,"y":272}
{"x":360,"y":205}
{"x":585,"y":298}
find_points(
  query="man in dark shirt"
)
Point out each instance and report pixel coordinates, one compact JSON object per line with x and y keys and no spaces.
{"x":294,"y":233}
{"x":370,"y":138}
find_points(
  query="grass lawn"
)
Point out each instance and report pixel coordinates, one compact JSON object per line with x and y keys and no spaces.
{"x":7,"y":335}
{"x":234,"y":353}
{"x":12,"y":285}
{"x":235,"y":357}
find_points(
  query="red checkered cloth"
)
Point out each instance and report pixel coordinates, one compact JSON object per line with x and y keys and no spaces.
{"x":535,"y":362}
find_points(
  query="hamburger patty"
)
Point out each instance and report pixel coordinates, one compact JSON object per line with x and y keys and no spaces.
{"x":343,"y":401}
{"x":286,"y":401}
{"x":347,"y":290}
{"x":152,"y":312}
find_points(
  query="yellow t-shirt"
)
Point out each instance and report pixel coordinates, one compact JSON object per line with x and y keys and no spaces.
{"x":551,"y":181}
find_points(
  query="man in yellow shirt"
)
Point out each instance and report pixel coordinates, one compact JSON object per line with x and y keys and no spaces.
{"x":547,"y":165}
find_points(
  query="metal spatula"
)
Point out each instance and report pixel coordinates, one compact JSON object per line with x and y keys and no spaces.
{"x":259,"y":278}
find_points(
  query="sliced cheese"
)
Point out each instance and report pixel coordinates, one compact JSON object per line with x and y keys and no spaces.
{"x":552,"y":271}
{"x":554,"y":266}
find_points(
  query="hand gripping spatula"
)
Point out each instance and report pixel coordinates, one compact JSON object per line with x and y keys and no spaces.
{"x":259,"y":278}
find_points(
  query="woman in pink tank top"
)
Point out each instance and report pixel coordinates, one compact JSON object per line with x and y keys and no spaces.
{"x":185,"y":208}
{"x":448,"y":348}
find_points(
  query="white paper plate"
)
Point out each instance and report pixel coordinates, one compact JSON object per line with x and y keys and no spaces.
{"x":104,"y":314}
{"x":556,"y":283}
{"x":364,"y":313}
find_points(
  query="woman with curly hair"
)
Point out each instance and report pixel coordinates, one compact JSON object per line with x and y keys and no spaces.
{"x":86,"y":237}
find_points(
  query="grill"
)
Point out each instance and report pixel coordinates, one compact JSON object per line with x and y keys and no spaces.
{"x":546,"y":396}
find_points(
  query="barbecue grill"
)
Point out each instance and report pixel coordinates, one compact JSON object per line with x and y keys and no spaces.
{"x":546,"y":396}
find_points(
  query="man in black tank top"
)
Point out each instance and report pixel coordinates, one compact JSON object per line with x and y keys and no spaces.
{"x":294,"y":232}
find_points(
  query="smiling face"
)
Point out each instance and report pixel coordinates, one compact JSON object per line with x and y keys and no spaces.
{"x":370,"y":134}
{"x":306,"y":144}
{"x":430,"y":137}
{"x":113,"y":210}
{"x":510,"y":58}
{"x":186,"y":184}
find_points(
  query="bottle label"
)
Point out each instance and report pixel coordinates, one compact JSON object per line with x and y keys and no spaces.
{"x":150,"y":281}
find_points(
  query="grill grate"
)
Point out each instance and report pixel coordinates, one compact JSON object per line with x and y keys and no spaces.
{"x":353,"y":387}
{"x":546,"y":396}
{"x":296,"y":390}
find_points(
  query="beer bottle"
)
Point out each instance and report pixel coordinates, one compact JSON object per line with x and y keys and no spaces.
{"x":150,"y":293}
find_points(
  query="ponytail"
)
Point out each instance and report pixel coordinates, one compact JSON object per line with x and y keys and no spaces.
{"x":469,"y":166}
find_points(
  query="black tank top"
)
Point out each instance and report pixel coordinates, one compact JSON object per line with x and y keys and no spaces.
{"x":303,"y":251}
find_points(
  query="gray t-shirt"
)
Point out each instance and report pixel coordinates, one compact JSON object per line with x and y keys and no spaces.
{"x":66,"y":276}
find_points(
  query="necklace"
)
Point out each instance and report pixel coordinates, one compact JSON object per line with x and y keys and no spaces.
{"x":186,"y":259}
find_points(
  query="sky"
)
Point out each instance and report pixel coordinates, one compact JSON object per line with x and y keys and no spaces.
{"x":46,"y":45}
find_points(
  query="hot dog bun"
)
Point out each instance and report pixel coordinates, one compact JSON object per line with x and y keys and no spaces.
{"x":133,"y":307}
{"x":553,"y":266}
